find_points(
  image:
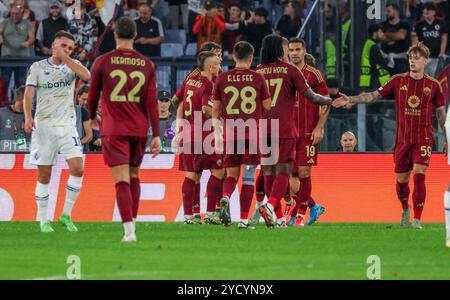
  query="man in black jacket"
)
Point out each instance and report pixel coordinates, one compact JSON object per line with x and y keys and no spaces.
{"x":256,"y":28}
{"x":49,"y":27}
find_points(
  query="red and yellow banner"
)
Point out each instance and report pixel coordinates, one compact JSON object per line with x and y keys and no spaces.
{"x":352,"y":187}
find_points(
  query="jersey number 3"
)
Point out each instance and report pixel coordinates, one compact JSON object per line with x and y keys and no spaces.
{"x":132,"y":95}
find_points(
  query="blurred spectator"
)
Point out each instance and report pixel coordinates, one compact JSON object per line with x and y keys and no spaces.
{"x":344,"y":13}
{"x":49,"y":27}
{"x":95,"y":145}
{"x":167,"y":122}
{"x":150,"y":33}
{"x":175,"y":7}
{"x":256,"y":28}
{"x":84,"y":126}
{"x":289,"y":24}
{"x":396,"y":40}
{"x":12,"y":121}
{"x":3,"y":93}
{"x":3,"y":11}
{"x":433,"y":33}
{"x":209,"y":25}
{"x":160,"y":10}
{"x":108,"y":42}
{"x":84,"y":31}
{"x":274,"y":8}
{"x":28,"y":14}
{"x":40,"y":8}
{"x":16,"y":39}
{"x":130,"y":10}
{"x":232,"y":35}
{"x":348,"y":142}
{"x":194,"y":9}
{"x":373,"y":73}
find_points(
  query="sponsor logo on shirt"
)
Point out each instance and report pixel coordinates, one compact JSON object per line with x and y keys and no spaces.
{"x":58,"y":84}
{"x":413,"y":101}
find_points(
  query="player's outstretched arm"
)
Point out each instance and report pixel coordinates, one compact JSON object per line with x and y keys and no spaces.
{"x":441,"y":116}
{"x":363,"y":98}
{"x":28,"y":97}
{"x":317,"y":98}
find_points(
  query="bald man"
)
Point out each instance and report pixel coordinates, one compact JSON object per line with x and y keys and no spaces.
{"x":348,"y":142}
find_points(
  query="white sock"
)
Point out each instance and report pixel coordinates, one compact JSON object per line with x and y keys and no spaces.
{"x":72,"y":191}
{"x":271,"y":208}
{"x":128,"y":228}
{"x":41,"y":196}
{"x":134,"y":222}
{"x":447,"y":213}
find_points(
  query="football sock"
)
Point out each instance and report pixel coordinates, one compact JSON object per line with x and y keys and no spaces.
{"x":214,"y":192}
{"x":245,"y":200}
{"x":419,"y":194}
{"x":294,"y":211}
{"x":124,"y":201}
{"x":188,"y":191}
{"x":268,"y":183}
{"x":279,"y":189}
{"x":42,"y":196}
{"x":305,"y":189}
{"x":279,"y":211}
{"x":402,"y":189}
{"x":311,"y":202}
{"x":128,"y":228}
{"x":447,"y":213}
{"x":135,"y":187}
{"x":196,"y":201}
{"x":259,"y":186}
{"x":72,"y":191}
{"x":229,"y":185}
{"x":302,"y":206}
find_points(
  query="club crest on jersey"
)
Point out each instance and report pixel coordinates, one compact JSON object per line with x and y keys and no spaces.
{"x":413,"y":101}
{"x":219,"y":162}
{"x":427,"y":91}
{"x":404,"y":88}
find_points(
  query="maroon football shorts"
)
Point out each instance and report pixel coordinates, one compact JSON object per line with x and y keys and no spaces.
{"x":406,"y":155}
{"x":187,"y":159}
{"x":285,"y":152}
{"x":208,"y":161}
{"x":123,"y":150}
{"x":236,"y":158}
{"x":306,"y":152}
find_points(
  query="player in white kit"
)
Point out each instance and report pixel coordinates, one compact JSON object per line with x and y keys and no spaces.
{"x":53,"y":126}
{"x":447,"y":193}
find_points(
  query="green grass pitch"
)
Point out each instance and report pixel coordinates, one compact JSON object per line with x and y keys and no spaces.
{"x":178,"y":251}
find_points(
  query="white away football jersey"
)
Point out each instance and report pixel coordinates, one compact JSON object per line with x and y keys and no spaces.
{"x":55,"y":87}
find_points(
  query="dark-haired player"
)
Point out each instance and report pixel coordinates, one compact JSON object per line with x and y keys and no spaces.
{"x":284,"y":81}
{"x":415,"y":95}
{"x":127,"y":81}
{"x":196,"y":109}
{"x":53,"y":126}
{"x":310,"y":119}
{"x":240,"y":95}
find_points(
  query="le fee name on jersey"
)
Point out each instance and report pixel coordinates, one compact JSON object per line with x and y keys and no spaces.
{"x":240,"y":78}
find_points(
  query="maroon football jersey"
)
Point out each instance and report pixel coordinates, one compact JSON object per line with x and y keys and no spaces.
{"x":197,"y":93}
{"x":308,"y":112}
{"x":241,"y":92}
{"x":284,"y":81}
{"x":127,"y":81}
{"x":414,"y":100}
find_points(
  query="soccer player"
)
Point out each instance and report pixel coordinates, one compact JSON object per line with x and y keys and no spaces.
{"x":178,"y":98}
{"x":127,"y":81}
{"x":415,"y":95}
{"x":447,"y":193}
{"x":53,"y":127}
{"x":284,"y":81}
{"x":196,"y":109}
{"x":239,"y":97}
{"x":311,"y":119}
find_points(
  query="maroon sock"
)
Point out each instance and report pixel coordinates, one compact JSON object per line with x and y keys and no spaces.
{"x":403,"y":193}
{"x":302,"y":205}
{"x":196,"y":201}
{"x":188,"y":190}
{"x":214,"y":192}
{"x":278,"y":189}
{"x":124,"y":201}
{"x":419,"y":194}
{"x":295,"y":210}
{"x":229,"y":185}
{"x":135,"y":187}
{"x":245,"y":199}
{"x":311,"y":202}
{"x":305,"y":189}
{"x":278,"y":211}
{"x":268,"y":183}
{"x":259,"y":186}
